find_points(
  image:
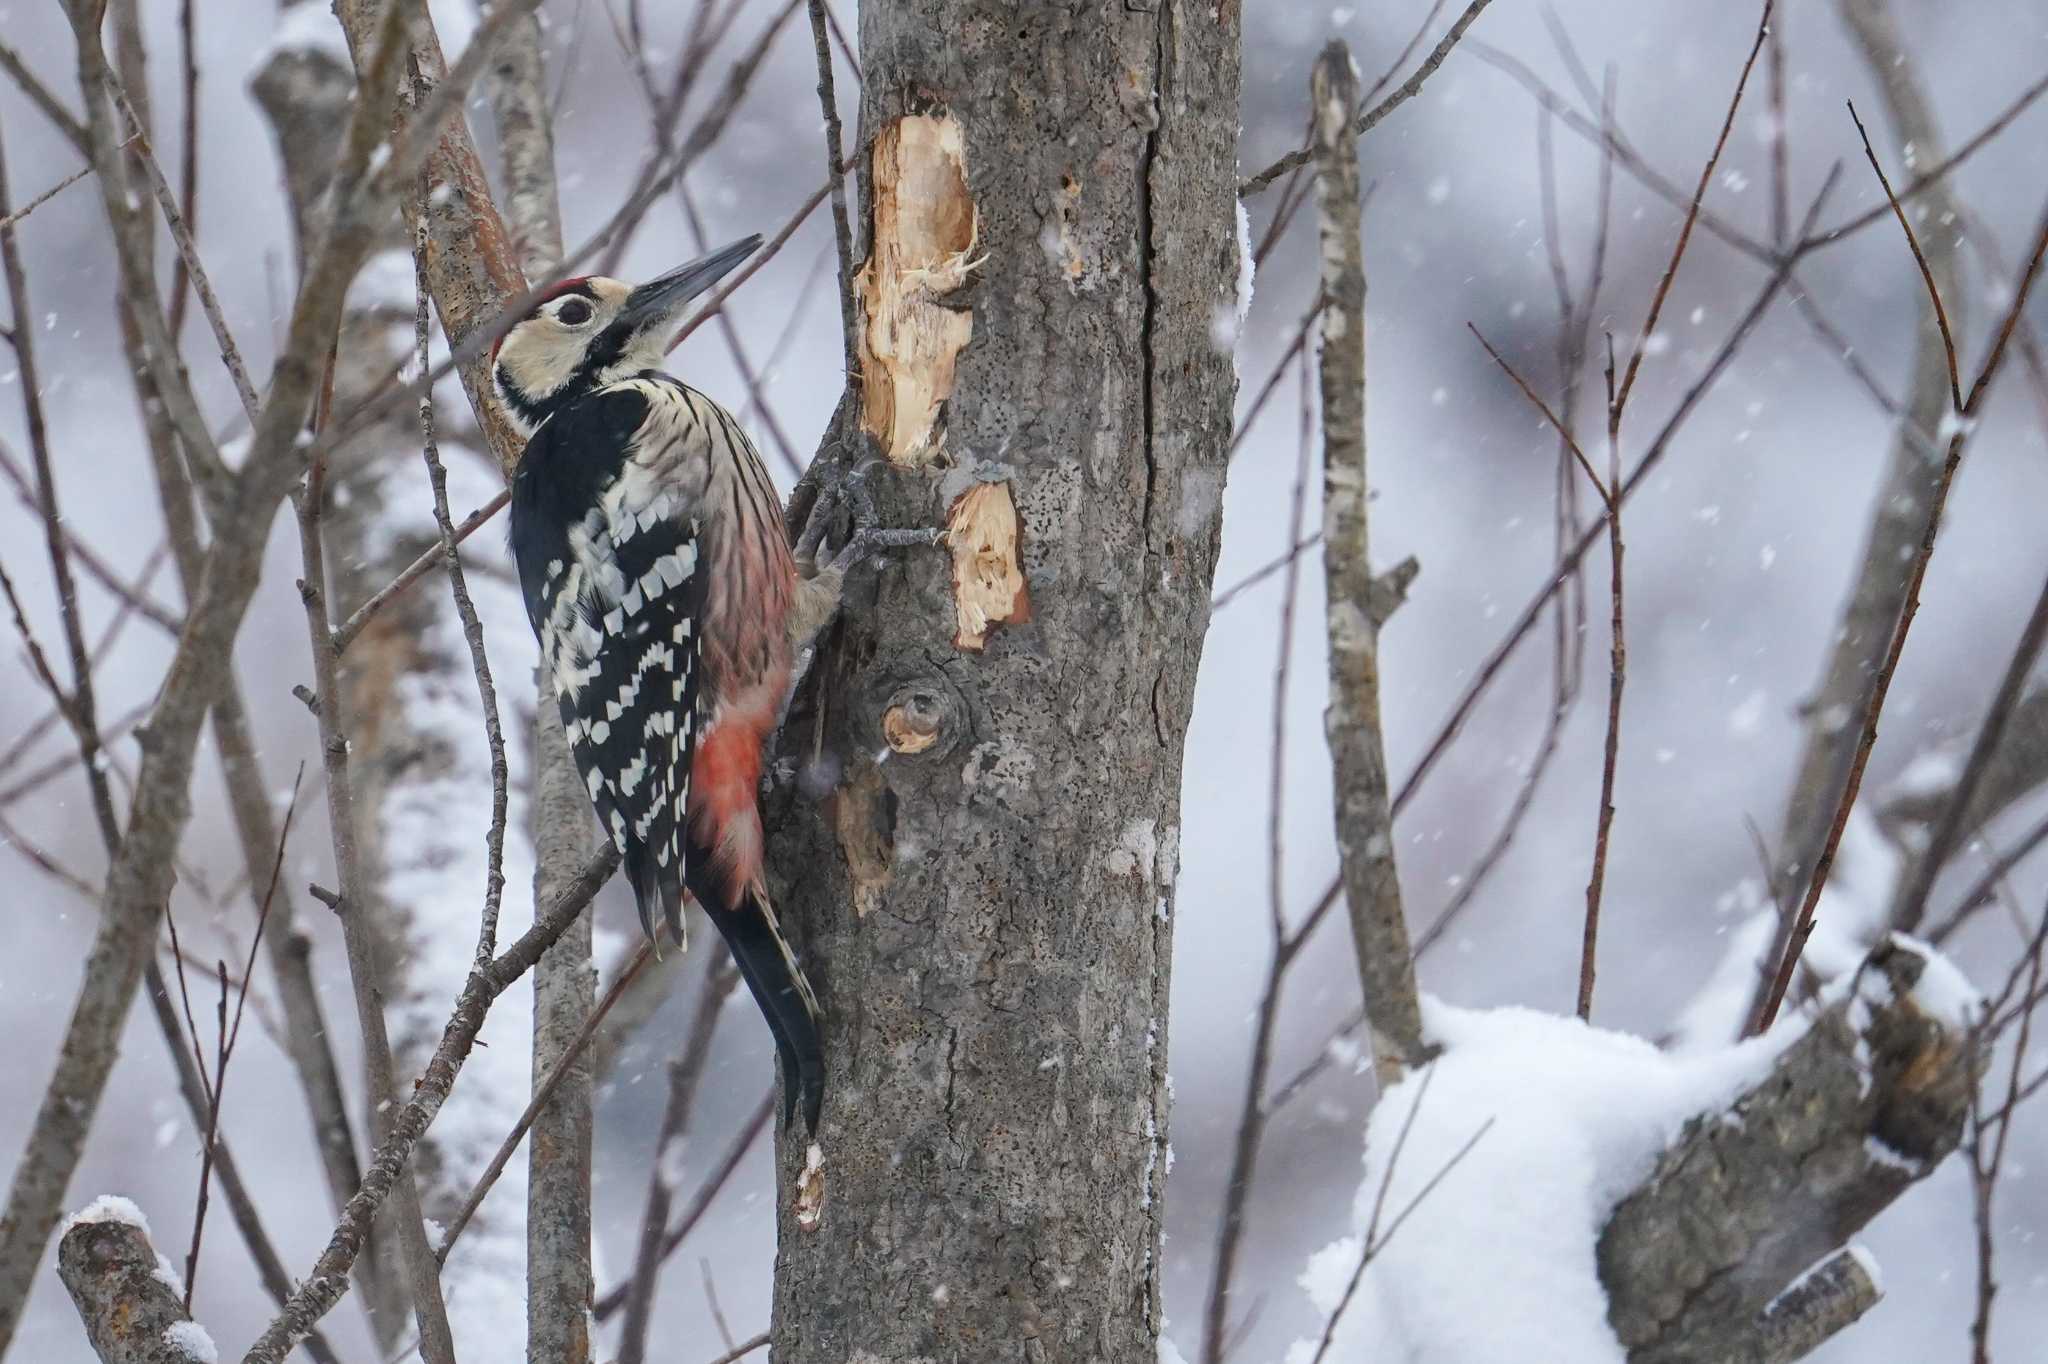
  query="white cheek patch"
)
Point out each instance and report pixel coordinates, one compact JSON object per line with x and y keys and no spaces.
{"x":540,"y":358}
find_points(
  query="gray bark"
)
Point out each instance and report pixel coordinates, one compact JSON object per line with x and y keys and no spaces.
{"x":987,"y":914}
{"x":402,"y":758}
{"x":559,"y":1282}
{"x":1867,"y":1102}
{"x":1355,"y":612}
{"x":130,"y":1311}
{"x":303,"y":93}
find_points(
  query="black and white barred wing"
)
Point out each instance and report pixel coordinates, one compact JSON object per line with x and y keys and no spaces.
{"x":608,"y":554}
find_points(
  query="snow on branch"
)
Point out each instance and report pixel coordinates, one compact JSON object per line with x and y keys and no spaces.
{"x":126,"y":1293}
{"x":1632,"y":1204}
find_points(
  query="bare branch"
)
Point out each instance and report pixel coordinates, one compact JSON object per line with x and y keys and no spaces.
{"x":1619,"y":400}
{"x":835,"y":152}
{"x":1357,"y":756}
{"x":417,"y":569}
{"x":684,"y":1076}
{"x":437,"y":1344}
{"x":328,"y":1280}
{"x":1948,"y":340}
{"x":43,"y":98}
{"x":716,"y":1180}
{"x":1253,"y":1111}
{"x":562,"y":1070}
{"x":1792,"y":932}
{"x":188,"y":251}
{"x":1909,"y":904}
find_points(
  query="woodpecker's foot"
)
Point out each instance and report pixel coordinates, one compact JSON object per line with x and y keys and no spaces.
{"x":846,"y":501}
{"x":818,"y":595}
{"x":849,"y":493}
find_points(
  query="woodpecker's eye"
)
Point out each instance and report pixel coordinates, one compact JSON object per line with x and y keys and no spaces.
{"x":574,"y":313}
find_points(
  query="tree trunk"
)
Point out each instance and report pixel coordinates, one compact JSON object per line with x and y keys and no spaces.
{"x":985,"y":903}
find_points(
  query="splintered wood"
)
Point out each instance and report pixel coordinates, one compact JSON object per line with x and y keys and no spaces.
{"x":924,"y":234}
{"x":988,"y":583}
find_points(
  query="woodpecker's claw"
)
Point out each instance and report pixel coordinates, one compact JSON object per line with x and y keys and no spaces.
{"x":824,"y":570}
{"x":849,"y":491}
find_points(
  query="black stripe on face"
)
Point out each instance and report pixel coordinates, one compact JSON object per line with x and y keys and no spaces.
{"x":606,"y":349}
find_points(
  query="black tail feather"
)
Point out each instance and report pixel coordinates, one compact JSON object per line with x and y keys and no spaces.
{"x":658,"y":894}
{"x":779,"y":987}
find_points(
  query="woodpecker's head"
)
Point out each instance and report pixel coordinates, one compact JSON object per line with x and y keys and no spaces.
{"x":589,"y":332}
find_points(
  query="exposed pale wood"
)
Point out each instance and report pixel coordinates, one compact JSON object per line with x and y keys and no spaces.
{"x":923,"y":243}
{"x":988,"y":579}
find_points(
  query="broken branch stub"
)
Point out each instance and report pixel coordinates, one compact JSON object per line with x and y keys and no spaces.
{"x":925,"y":229}
{"x":1867,"y":1102}
{"x":124,"y":1291}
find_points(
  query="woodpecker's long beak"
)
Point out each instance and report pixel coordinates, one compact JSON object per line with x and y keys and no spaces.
{"x":659,"y":302}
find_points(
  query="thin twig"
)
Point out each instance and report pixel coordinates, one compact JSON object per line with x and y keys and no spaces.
{"x":7,"y":221}
{"x":743,"y":1349}
{"x":1692,"y":214}
{"x":1768,"y":1005}
{"x":1372,"y":1243}
{"x":188,"y":157}
{"x":1272,"y":380}
{"x":1490,"y":667}
{"x":188,"y":251}
{"x":685,"y":1074}
{"x":1371,"y":117}
{"x":541,"y":1095}
{"x":835,"y":152}
{"x":1807,"y":239}
{"x":1985,"y":1171}
{"x":1253,"y":1111}
{"x":1986,"y":887}
{"x":721,"y":1173}
{"x":1264,"y":571}
{"x":1617,"y":677}
{"x":472,"y":624}
{"x":130,"y":594}
{"x":1948,"y":340}
{"x":228,"y":1037}
{"x":1564,"y":432}
{"x":78,"y":703}
{"x":414,"y":571}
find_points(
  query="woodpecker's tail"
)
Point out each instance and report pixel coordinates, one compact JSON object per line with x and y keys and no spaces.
{"x":658,"y":892}
{"x":771,"y":972}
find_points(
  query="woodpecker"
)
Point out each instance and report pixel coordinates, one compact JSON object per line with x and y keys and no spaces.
{"x":662,"y":588}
